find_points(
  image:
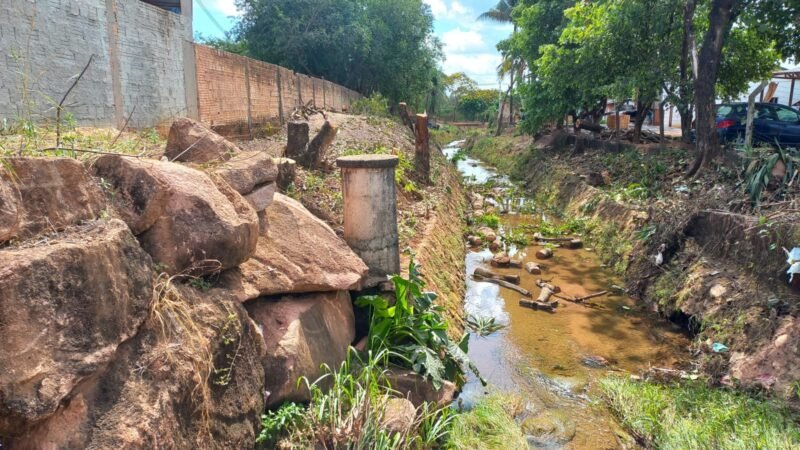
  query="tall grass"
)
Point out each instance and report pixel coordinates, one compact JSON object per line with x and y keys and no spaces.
{"x":693,"y":416}
{"x":489,"y":425}
{"x":347,"y":411}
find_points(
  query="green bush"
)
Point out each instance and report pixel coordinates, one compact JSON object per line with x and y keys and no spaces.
{"x":374,"y":105}
{"x":415,"y":330}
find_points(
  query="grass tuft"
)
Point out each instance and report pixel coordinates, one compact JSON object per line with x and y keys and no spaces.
{"x":489,"y":425}
{"x":694,"y":416}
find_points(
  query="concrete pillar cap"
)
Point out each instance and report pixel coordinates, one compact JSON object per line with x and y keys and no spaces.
{"x":367,"y":161}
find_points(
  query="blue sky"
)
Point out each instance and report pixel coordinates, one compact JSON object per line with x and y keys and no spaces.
{"x":469,"y":45}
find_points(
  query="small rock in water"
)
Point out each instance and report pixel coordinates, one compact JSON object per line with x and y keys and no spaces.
{"x":595,"y":361}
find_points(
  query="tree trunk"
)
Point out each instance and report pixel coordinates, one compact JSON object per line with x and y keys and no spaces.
{"x":422,"y":155}
{"x":511,"y":96}
{"x":686,"y":72}
{"x":641,"y":113}
{"x":500,"y":115}
{"x":720,"y":20}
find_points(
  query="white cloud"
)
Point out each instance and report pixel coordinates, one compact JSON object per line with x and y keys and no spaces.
{"x":453,"y":10}
{"x":226,"y":7}
{"x":459,"y":41}
{"x":481,"y":67}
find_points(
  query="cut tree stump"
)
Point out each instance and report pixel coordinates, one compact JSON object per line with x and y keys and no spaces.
{"x":544,"y":253}
{"x":308,"y":154}
{"x":497,"y":276}
{"x":422,"y":155}
{"x":575,"y":244}
{"x":296,"y":140}
{"x":504,"y":284}
{"x":320,"y":144}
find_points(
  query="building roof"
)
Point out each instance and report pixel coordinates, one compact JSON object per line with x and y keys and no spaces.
{"x":791,"y":74}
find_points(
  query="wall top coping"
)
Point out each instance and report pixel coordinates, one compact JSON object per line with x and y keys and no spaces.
{"x":367,"y":162}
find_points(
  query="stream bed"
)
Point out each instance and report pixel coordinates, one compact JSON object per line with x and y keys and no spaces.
{"x":553,"y":360}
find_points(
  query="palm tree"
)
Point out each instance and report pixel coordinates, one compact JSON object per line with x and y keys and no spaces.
{"x":502,"y":13}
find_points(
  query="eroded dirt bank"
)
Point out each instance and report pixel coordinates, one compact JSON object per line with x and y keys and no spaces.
{"x":694,"y":250}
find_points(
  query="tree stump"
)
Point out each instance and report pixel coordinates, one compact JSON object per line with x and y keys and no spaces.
{"x":544,"y":253}
{"x":422,"y":157}
{"x":296,"y":140}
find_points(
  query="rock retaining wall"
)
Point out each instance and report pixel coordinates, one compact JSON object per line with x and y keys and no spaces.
{"x":118,"y":323}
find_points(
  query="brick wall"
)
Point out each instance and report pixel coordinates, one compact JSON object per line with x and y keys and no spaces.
{"x":138,"y":60}
{"x":237,"y":94}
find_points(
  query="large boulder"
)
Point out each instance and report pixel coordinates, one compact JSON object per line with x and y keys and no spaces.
{"x":301,"y":333}
{"x":248,"y":170}
{"x":65,"y":308}
{"x":42,"y":195}
{"x":191,"y":141}
{"x":182,"y":217}
{"x":194,"y":386}
{"x":299,"y":253}
{"x":139,"y":196}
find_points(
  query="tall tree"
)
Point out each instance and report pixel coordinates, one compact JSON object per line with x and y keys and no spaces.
{"x":384,"y":46}
{"x":720,"y":19}
{"x":502,"y":12}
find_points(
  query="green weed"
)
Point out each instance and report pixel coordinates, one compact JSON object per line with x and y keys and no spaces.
{"x":490,"y":424}
{"x":694,"y":416}
{"x":415,"y":330}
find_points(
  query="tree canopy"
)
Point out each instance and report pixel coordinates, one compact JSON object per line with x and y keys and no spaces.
{"x":579,"y":54}
{"x":370,"y":46}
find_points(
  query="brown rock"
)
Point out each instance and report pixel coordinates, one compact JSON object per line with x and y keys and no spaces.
{"x":191,"y":141}
{"x":398,"y":415}
{"x":138,"y":195}
{"x":544,"y":253}
{"x":200,"y":390}
{"x":248,"y":170}
{"x":204,"y":226}
{"x":261,"y":197}
{"x":299,"y":253}
{"x":419,"y":389}
{"x":488,"y":233}
{"x":301,"y":333}
{"x":40,"y":195}
{"x":501,"y":260}
{"x":66,"y":307}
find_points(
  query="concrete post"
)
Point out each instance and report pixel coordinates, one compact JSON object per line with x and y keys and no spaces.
{"x":370,"y":213}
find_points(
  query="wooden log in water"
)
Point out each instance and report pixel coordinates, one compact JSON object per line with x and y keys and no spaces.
{"x":497,"y":276}
{"x":503,"y":283}
{"x":541,"y":306}
{"x":544,"y":253}
{"x":533,"y":268}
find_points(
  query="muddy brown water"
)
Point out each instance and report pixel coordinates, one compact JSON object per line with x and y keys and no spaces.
{"x":547,"y":358}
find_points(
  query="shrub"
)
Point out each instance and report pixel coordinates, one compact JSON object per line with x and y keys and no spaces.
{"x":374,"y":105}
{"x":416,"y":332}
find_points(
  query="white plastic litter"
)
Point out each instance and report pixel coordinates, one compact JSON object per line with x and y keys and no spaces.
{"x":793,"y":259}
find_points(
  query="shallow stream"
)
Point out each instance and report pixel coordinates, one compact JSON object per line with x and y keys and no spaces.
{"x":551,"y":359}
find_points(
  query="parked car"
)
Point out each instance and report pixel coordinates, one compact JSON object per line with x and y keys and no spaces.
{"x":772,"y":123}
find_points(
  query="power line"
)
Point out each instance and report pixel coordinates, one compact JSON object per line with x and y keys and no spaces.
{"x":213,"y":19}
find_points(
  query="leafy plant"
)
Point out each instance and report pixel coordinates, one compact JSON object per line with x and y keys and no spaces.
{"x":416,"y":332}
{"x":758,"y":173}
{"x":274,"y":423}
{"x":490,"y":220}
{"x":484,"y":326}
{"x":517,"y":238}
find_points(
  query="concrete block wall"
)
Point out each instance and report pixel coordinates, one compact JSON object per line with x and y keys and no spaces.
{"x":138,"y":60}
{"x":235,"y":92}
{"x":151,"y":62}
{"x":45,"y":43}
